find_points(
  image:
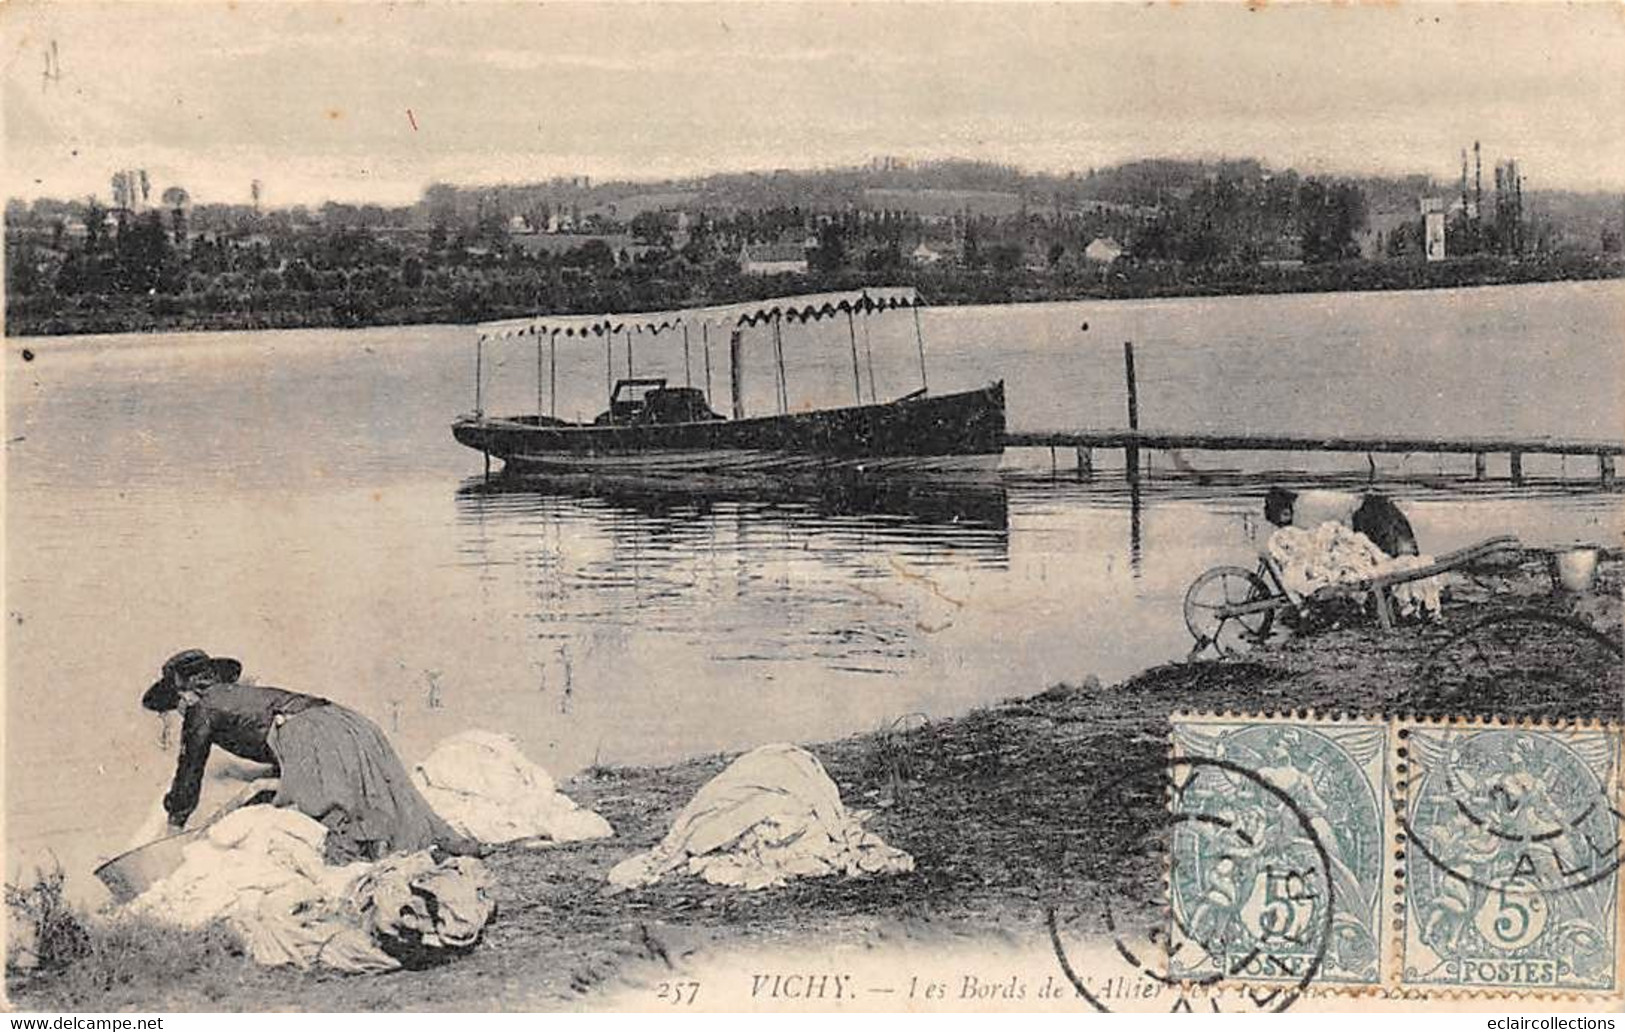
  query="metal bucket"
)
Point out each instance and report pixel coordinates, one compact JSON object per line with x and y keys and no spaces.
{"x":1575,"y":569}
{"x":130,"y":874}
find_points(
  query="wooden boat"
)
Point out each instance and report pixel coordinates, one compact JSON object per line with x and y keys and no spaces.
{"x":653,"y":429}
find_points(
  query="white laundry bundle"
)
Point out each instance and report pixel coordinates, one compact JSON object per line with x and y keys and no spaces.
{"x":772,"y":815}
{"x":1334,"y":555}
{"x":259,"y":870}
{"x":482,"y":785}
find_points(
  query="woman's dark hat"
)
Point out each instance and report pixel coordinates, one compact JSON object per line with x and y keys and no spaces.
{"x":165,"y":693}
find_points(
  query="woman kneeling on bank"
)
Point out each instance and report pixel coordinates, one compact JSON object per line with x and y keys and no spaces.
{"x":334,"y":764}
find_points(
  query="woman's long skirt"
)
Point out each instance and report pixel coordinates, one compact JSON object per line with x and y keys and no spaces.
{"x":338,"y":768}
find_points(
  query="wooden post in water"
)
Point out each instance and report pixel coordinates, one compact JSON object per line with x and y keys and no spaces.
{"x":1605,"y":470}
{"x":1131,"y":451}
{"x":736,"y":374}
{"x":1478,"y":465}
{"x":1086,"y":462}
{"x":1516,"y":459}
{"x":479,"y":402}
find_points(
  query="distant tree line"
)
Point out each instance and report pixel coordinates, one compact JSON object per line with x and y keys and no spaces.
{"x":466,"y":255}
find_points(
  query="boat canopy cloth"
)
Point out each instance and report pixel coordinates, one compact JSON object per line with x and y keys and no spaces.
{"x":799,"y":308}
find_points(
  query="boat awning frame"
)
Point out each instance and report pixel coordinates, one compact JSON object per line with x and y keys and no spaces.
{"x":797,"y":308}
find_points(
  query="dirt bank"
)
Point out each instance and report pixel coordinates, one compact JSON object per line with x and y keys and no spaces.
{"x":993,"y":806}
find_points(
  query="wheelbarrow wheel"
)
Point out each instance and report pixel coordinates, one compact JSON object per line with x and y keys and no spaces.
{"x":1218,"y":590}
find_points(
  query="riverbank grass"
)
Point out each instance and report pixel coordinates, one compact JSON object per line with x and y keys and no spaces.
{"x":59,"y":957}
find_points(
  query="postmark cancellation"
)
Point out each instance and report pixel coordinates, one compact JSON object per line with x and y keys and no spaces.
{"x":1512,"y":859}
{"x":1279,"y":867}
{"x":1397,"y":856}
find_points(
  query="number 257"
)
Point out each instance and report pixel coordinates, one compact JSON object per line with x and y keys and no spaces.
{"x":678,"y":994}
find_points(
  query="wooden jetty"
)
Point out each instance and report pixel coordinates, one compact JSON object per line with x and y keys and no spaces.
{"x":1132,"y":440}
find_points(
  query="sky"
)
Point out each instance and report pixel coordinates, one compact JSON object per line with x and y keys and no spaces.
{"x":372,"y":101}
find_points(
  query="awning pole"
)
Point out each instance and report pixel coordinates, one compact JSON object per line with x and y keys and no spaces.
{"x":553,"y":375}
{"x":778,"y":350}
{"x":736,"y":354}
{"x":629,"y":373}
{"x":857,"y":379}
{"x":919,"y":340}
{"x":479,"y":376}
{"x":609,"y":364}
{"x":869,"y":354}
{"x":538,"y":379}
{"x":705,"y":339}
{"x":688,"y":371}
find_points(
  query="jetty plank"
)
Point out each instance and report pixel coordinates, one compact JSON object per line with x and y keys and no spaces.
{"x":1170,"y":440}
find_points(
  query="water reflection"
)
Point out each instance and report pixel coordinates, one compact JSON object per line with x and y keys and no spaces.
{"x":973,"y":506}
{"x":847,"y":579}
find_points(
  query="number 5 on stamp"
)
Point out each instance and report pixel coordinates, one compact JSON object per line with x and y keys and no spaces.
{"x":1278,"y":872}
{"x":1512,"y":857}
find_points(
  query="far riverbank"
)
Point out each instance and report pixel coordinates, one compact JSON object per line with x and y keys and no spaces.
{"x":488,"y":293}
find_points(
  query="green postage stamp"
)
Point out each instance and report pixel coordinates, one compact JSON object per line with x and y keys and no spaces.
{"x":1278,"y":868}
{"x":1392,"y":855}
{"x":1512,"y":866}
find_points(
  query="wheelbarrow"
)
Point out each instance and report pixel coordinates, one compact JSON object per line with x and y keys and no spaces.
{"x":1233,"y":608}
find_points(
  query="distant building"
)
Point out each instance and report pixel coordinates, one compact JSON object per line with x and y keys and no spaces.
{"x":773,"y":259}
{"x":1381,"y":225}
{"x":1433,"y":228}
{"x":925,"y":254}
{"x":1103,"y":250}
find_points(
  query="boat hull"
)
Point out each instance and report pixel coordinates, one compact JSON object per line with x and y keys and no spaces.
{"x":950,"y":434}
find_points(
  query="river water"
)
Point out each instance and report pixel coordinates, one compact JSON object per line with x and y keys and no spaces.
{"x":295,"y":499}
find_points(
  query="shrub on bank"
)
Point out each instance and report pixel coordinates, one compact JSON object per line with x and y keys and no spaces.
{"x":63,"y":959}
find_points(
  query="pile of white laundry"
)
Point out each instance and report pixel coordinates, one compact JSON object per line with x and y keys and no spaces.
{"x":1333,"y":554}
{"x":773,"y":815}
{"x":486,"y":789}
{"x":259,"y":869}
